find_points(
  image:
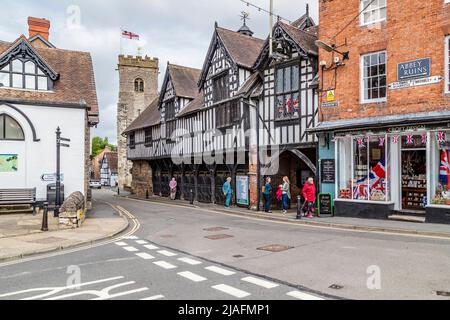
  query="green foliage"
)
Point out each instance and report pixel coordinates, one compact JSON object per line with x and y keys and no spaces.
{"x":98,"y":144}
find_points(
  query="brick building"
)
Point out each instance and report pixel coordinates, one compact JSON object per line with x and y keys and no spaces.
{"x":385,"y":111}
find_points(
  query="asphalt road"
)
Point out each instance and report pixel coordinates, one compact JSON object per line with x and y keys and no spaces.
{"x":188,"y":253}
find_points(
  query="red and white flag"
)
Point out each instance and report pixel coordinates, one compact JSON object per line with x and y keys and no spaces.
{"x":129,"y":35}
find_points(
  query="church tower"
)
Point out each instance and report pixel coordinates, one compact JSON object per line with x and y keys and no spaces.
{"x":138,"y":87}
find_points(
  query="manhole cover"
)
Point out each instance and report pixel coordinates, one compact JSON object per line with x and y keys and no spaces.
{"x":443,"y":293}
{"x":238,"y":256}
{"x":47,"y":240}
{"x":336,"y":286}
{"x":275,"y":248}
{"x":215,"y":229}
{"x":218,"y":236}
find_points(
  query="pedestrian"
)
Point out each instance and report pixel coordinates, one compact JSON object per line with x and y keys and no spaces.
{"x":267,"y":190}
{"x":227,"y":192}
{"x":286,"y":194}
{"x":309,"y":192}
{"x":173,"y":188}
{"x":279,"y":192}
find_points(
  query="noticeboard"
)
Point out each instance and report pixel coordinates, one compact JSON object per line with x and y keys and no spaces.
{"x":328,"y":171}
{"x":325,"y":204}
{"x":242,"y":193}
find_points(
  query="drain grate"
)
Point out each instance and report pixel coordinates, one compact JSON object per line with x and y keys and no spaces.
{"x":336,"y":287}
{"x":215,"y":229}
{"x":275,"y":248}
{"x":238,"y":256}
{"x":218,"y":236}
{"x":443,"y":293}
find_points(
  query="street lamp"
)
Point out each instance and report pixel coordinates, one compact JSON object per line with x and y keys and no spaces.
{"x":332,"y":48}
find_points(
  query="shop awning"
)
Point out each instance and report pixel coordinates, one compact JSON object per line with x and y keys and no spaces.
{"x":438,"y":117}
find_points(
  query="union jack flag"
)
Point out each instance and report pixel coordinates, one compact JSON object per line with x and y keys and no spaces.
{"x":409,"y":139}
{"x":361,"y":143}
{"x":441,"y":137}
{"x":395,"y":139}
{"x":377,"y":177}
{"x":424,"y":138}
{"x":382,"y":141}
{"x":444,"y":171}
{"x":289,"y":105}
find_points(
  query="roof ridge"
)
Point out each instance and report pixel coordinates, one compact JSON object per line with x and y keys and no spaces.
{"x":184,"y":67}
{"x":240,"y":34}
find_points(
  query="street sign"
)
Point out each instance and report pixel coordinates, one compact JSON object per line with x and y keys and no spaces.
{"x":415,"y":83}
{"x":420,"y":68}
{"x":64,"y":145}
{"x":51,"y":177}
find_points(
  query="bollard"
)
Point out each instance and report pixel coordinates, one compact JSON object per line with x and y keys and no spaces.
{"x":45,"y":218}
{"x":191,"y":197}
{"x":299,"y":207}
{"x":118,"y":191}
{"x":146,"y":194}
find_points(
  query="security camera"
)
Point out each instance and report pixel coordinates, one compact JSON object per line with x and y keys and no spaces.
{"x":323,"y":63}
{"x":337,"y":60}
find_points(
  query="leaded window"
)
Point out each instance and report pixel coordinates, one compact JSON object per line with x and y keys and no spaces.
{"x":227,"y":114}
{"x":132,"y":140}
{"x":148,"y":136}
{"x":373,"y":11}
{"x":373,"y":77}
{"x":24,"y":74}
{"x":170,"y":109}
{"x":287,"y":92}
{"x":10,"y":129}
{"x":220,"y":87}
{"x":170,"y":129}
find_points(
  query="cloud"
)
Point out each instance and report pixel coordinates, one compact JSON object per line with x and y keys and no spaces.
{"x":178,"y":31}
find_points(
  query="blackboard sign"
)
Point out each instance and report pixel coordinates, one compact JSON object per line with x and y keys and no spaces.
{"x":328,"y":169}
{"x":325,"y":205}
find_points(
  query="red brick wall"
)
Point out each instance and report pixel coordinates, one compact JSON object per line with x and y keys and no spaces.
{"x":414,"y":29}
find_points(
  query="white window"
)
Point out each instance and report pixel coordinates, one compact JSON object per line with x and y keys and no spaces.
{"x":373,"y":77}
{"x":23,"y":75}
{"x":373,"y":11}
{"x":447,"y":63}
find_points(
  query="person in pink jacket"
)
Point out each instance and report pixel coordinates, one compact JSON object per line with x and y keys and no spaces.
{"x":309,"y":193}
{"x":173,"y":188}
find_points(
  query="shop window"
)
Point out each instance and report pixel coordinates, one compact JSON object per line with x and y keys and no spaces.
{"x":373,"y":77}
{"x":440,"y":168}
{"x":373,"y":11}
{"x":287,"y":92}
{"x":362,"y":168}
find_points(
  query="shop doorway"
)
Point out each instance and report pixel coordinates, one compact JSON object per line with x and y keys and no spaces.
{"x":414,"y":175}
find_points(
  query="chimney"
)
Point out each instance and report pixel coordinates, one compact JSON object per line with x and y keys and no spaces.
{"x":38,"y":26}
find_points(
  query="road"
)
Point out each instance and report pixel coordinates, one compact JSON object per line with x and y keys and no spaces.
{"x":173,"y":252}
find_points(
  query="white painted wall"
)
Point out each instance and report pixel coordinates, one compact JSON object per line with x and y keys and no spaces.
{"x":37,"y":158}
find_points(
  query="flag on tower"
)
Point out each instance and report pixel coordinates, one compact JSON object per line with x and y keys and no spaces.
{"x":129,"y":35}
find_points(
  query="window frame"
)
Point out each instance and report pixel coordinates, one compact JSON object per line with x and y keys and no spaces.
{"x":228,"y":114}
{"x":222,"y":93}
{"x":362,"y":78}
{"x":139,"y":85}
{"x":169,"y":105}
{"x":447,"y":63}
{"x":38,"y":74}
{"x":132,"y":142}
{"x":148,"y":139}
{"x":362,"y":23}
{"x":171,"y":127}
{"x":291,"y":92}
{"x":3,"y":117}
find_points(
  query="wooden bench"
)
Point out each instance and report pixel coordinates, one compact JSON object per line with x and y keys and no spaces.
{"x":18,"y":197}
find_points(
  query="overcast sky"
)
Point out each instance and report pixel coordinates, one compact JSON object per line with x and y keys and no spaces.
{"x":178,"y":31}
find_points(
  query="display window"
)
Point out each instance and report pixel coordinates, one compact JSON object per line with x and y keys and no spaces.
{"x":440,"y":168}
{"x":363,"y":171}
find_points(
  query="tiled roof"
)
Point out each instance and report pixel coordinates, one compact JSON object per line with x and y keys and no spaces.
{"x":149,"y":117}
{"x":250,"y":84}
{"x":193,"y":106}
{"x":305,"y":40}
{"x":243,"y":49}
{"x":76,"y":80}
{"x":111,"y":158}
{"x":184,"y":80}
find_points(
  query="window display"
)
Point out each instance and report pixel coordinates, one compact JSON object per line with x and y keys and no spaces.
{"x":440,"y":186}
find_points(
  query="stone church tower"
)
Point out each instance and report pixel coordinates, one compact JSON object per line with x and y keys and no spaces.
{"x":138,"y":87}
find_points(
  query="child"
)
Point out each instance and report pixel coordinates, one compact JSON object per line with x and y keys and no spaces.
{"x":279,"y":192}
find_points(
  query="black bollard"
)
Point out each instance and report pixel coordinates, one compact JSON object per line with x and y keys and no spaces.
{"x":191,"y":197}
{"x":146,"y":194}
{"x":299,"y":207}
{"x":118,"y":191}
{"x":45,"y":218}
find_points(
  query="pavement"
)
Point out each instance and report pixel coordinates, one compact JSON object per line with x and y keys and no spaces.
{"x":21,"y":235}
{"x":375,"y":225}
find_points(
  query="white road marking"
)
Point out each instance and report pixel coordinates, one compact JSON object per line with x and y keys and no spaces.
{"x":159,"y":296}
{"x":167,"y":253}
{"x":145,"y":256}
{"x":151,"y":247}
{"x":132,"y":238}
{"x":260,"y":282}
{"x":220,"y":271}
{"x":231,"y":291}
{"x":192,"y":276}
{"x":121,"y":244}
{"x":141,"y":242}
{"x":131,"y":249}
{"x":164,"y":265}
{"x":303,"y":296}
{"x":190,"y":261}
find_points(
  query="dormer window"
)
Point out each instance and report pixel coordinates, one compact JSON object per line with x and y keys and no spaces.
{"x":139,"y":85}
{"x":23,"y":74}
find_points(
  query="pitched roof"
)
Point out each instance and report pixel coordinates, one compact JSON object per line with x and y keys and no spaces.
{"x":184,"y":80}
{"x":193,"y":106}
{"x":112,"y":159}
{"x":75,"y":83}
{"x":251,"y":83}
{"x":305,"y":40}
{"x":149,"y":117}
{"x":303,"y":22}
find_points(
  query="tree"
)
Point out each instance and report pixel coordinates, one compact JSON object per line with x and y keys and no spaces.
{"x":99,"y":144}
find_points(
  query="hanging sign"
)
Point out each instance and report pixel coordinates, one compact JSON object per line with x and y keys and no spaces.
{"x":415,"y":83}
{"x":420,"y":68}
{"x":242,"y":186}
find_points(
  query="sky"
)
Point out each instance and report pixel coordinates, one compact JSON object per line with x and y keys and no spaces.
{"x":178,"y":31}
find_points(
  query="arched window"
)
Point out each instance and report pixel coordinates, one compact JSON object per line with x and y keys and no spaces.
{"x":139,"y":85}
{"x":23,"y":74}
{"x":10,"y":129}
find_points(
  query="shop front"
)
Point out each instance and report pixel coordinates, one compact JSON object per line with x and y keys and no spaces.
{"x":399,"y":169}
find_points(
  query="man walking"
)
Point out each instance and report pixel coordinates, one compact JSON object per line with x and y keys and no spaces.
{"x":227,"y":192}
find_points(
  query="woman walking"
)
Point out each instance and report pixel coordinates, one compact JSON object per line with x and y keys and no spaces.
{"x":173,"y":188}
{"x":227,"y":192}
{"x":309,"y":192}
{"x":267,"y":190}
{"x":286,"y":195}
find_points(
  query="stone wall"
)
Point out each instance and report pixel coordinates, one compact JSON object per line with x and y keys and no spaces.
{"x":132,"y":103}
{"x":73,"y":210}
{"x":141,"y":184}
